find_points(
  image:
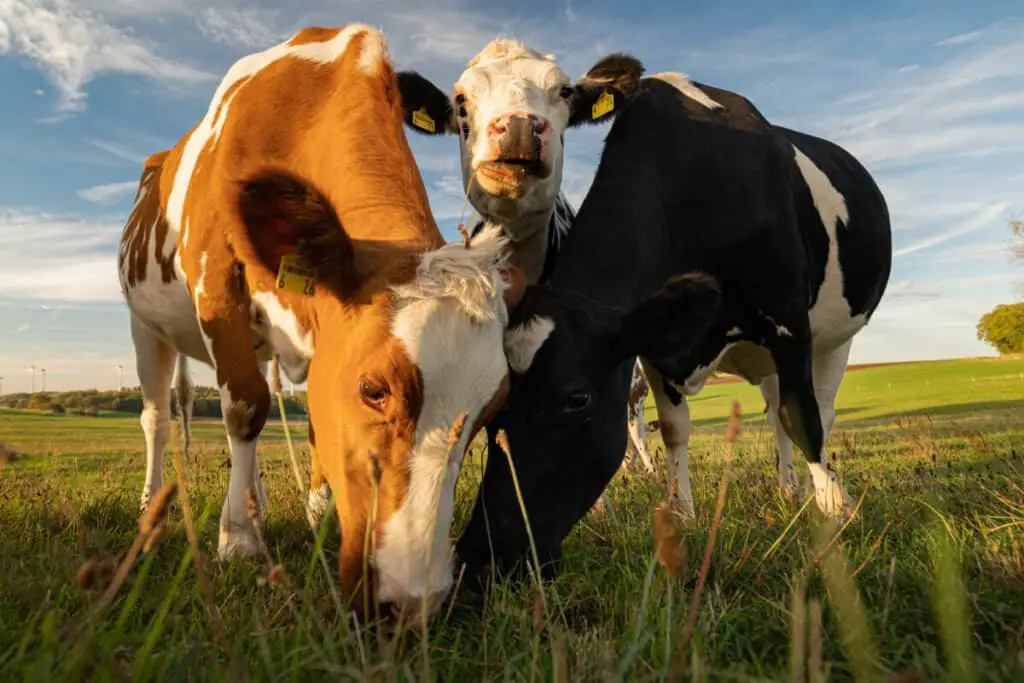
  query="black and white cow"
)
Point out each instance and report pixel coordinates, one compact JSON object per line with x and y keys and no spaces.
{"x":710,"y":239}
{"x":510,"y":109}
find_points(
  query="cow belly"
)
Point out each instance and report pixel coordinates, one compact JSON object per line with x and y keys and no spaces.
{"x":832,"y":325}
{"x":747,"y":360}
{"x":167,"y":309}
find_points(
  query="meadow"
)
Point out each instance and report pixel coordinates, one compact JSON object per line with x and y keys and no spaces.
{"x":926,"y":582}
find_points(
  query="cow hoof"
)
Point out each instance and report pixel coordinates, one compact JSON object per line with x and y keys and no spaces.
{"x":316,"y":505}
{"x":829,"y":494}
{"x":683,"y":509}
{"x":237,"y":545}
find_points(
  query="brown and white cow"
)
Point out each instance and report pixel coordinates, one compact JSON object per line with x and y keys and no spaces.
{"x":292,"y":220}
{"x":510,"y":109}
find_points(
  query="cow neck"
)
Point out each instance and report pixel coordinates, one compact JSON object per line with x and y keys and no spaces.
{"x":532,"y":245}
{"x":617,"y":252}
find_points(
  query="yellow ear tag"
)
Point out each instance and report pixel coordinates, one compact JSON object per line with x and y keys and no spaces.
{"x":421,"y":119}
{"x":605,"y":103}
{"x":294,"y":276}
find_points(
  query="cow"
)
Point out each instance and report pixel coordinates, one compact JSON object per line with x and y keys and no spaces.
{"x":710,"y":239}
{"x":510,"y":109}
{"x":292,"y":221}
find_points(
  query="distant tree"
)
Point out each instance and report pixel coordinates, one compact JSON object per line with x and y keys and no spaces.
{"x":1003,"y":328}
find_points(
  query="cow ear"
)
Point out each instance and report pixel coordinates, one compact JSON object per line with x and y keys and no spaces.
{"x":292,"y":230}
{"x":674,"y":320}
{"x":604,"y":89}
{"x":425,"y":108}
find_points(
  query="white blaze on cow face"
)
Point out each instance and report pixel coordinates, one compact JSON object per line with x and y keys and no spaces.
{"x":451,"y":328}
{"x":511,"y":112}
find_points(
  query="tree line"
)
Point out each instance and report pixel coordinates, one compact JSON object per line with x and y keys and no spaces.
{"x":92,"y":402}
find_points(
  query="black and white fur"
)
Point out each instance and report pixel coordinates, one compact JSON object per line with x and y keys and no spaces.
{"x":710,"y":239}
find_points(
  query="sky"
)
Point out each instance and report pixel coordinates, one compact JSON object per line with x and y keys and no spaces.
{"x":929,"y":95}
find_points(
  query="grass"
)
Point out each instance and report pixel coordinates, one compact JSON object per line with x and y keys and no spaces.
{"x":929,"y":575}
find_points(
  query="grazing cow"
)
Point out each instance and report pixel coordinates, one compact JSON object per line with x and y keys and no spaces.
{"x":710,"y":239}
{"x":292,"y":220}
{"x":510,"y":109}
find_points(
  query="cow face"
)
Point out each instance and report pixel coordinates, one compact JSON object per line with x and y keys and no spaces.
{"x":510,"y":109}
{"x":406,"y":342}
{"x":571,"y":365}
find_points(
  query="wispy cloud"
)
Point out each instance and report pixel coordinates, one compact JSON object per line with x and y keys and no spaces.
{"x":983,"y":220}
{"x":961,"y":38}
{"x":73,"y":46}
{"x":119,"y":151}
{"x":253,"y":28}
{"x":49,"y":257}
{"x":109,"y":193}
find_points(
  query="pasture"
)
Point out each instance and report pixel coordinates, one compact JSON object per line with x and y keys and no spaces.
{"x":928,"y":575}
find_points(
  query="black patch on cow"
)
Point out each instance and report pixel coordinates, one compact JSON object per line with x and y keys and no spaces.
{"x":419,"y":93}
{"x":671,"y":393}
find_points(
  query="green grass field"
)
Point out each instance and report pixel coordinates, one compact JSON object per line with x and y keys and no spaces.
{"x":929,"y":575}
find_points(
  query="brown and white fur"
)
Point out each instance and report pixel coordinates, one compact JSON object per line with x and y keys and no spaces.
{"x":302,"y":151}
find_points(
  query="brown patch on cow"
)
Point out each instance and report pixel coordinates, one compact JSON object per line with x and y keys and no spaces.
{"x":147,"y":228}
{"x":314,"y":34}
{"x":637,"y":393}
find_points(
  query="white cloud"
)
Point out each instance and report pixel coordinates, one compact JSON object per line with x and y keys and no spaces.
{"x":63,"y":258}
{"x":73,"y":46}
{"x":984,"y":219}
{"x":109,"y":193}
{"x":252,"y":28}
{"x":23,"y":328}
{"x":119,"y":151}
{"x":961,"y":38}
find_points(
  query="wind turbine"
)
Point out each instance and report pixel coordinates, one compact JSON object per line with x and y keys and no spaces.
{"x":120,"y":384}
{"x":32,"y":369}
{"x":43,"y":371}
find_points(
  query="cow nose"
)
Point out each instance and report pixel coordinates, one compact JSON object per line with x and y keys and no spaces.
{"x":501,"y":125}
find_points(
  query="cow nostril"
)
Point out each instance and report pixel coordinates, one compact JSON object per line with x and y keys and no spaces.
{"x":542,"y":126}
{"x":496,"y":127}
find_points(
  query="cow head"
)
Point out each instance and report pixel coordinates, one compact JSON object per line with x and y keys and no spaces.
{"x":510,"y":109}
{"x":406,"y":340}
{"x":571,"y":365}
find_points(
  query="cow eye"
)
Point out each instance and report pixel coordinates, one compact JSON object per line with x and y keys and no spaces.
{"x":460,"y":99}
{"x":576,"y":402}
{"x":374,"y":392}
{"x":566,"y":92}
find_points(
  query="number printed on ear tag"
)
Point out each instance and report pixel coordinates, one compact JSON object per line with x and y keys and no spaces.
{"x":295,"y":276}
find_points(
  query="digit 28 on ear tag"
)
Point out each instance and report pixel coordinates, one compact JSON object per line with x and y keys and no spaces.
{"x":294,"y":276}
{"x":605,"y":103}
{"x":421,"y":119}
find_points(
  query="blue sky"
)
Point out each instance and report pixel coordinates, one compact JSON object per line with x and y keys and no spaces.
{"x":929,"y":95}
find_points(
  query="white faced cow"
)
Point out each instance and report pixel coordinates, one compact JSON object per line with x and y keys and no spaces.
{"x":292,"y":220}
{"x":510,"y":110}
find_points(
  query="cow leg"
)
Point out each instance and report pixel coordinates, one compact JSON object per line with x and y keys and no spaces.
{"x":787,"y":475}
{"x":828,"y":370}
{"x":802,"y":419}
{"x":319,"y":492}
{"x":674,"y":415}
{"x":183,"y":390}
{"x":638,"y":440}
{"x":154,"y":362}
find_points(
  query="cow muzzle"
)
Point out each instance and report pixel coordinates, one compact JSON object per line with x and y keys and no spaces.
{"x":517,"y":152}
